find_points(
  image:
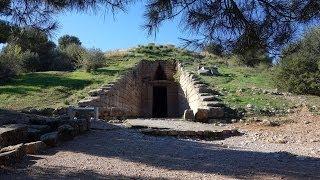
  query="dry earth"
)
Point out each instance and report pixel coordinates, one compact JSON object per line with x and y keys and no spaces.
{"x":289,"y":151}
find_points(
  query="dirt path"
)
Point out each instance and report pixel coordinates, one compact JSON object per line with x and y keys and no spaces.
{"x":116,"y":153}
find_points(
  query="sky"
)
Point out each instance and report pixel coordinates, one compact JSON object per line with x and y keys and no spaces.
{"x":106,"y":31}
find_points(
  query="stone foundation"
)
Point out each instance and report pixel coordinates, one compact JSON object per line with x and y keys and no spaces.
{"x":155,"y":89}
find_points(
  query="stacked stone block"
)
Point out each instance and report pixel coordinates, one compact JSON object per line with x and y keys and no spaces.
{"x":202,"y":100}
{"x":131,"y":95}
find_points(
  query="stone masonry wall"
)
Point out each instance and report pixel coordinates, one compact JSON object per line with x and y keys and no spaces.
{"x":202,"y":100}
{"x":119,"y":98}
{"x":132,"y":94}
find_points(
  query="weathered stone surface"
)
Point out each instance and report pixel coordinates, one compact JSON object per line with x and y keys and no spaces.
{"x":42,"y":120}
{"x":66,"y":132}
{"x":83,"y":124}
{"x":131,"y":95}
{"x":35,"y":147}
{"x":41,"y":128}
{"x":216,"y":112}
{"x":12,"y":134}
{"x":202,"y":115}
{"x":60,"y":111}
{"x":33,"y":134}
{"x":50,"y":139}
{"x":92,"y":101}
{"x":188,"y":115}
{"x":117,"y":112}
{"x":12,"y":154}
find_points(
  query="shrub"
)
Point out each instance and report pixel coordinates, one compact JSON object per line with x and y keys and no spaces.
{"x":12,"y":59}
{"x":74,"y":53}
{"x":93,"y":59}
{"x":298,"y":71}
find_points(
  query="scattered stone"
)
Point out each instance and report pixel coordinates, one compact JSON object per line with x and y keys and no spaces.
{"x":35,"y":147}
{"x":250,"y":106}
{"x":50,"y":139}
{"x":66,"y":132}
{"x":12,"y":134}
{"x":60,"y":111}
{"x":188,"y":115}
{"x":12,"y":154}
{"x":33,"y":134}
{"x":281,"y":141}
{"x":42,"y":128}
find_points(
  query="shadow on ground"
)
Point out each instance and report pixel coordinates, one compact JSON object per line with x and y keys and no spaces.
{"x":176,"y":154}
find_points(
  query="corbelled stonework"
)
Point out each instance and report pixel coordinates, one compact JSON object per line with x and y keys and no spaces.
{"x":156,"y":89}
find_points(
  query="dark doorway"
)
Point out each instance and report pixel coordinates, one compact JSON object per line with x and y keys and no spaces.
{"x":159,"y":107}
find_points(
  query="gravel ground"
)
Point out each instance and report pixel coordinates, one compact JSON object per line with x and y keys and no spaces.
{"x":175,"y":124}
{"x":117,"y":153}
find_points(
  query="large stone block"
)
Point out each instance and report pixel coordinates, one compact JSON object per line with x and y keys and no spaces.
{"x":202,"y":115}
{"x":117,"y":112}
{"x":50,"y":139}
{"x":12,"y":154}
{"x":35,"y":147}
{"x":216,"y":112}
{"x":188,"y":115}
{"x":66,"y":132}
{"x":12,"y":134}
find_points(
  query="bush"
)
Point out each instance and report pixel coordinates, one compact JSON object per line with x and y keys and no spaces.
{"x":93,"y":59}
{"x":74,"y":53}
{"x":14,"y":61}
{"x":298,"y":71}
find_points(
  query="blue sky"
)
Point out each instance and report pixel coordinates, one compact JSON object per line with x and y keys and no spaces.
{"x":107,"y":32}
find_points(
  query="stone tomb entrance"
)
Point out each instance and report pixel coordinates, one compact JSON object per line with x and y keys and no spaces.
{"x":158,"y":89}
{"x":159,"y":104}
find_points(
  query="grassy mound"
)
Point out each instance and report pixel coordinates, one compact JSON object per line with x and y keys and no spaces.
{"x":240,"y":86}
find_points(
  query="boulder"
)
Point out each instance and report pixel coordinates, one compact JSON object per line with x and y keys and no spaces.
{"x":216,"y":112}
{"x":66,"y":132}
{"x":188,"y":115}
{"x":12,"y":154}
{"x":42,"y":128}
{"x":54,"y":123}
{"x":33,"y":134}
{"x":12,"y":134}
{"x":202,"y":115}
{"x":50,"y":139}
{"x":83,"y":124}
{"x":35,"y":147}
{"x":35,"y":131}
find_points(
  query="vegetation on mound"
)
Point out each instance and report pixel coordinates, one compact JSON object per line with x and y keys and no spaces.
{"x":242,"y":87}
{"x":55,"y":89}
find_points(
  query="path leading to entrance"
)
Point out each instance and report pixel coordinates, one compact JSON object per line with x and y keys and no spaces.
{"x":115,"y":152}
{"x":175,"y":124}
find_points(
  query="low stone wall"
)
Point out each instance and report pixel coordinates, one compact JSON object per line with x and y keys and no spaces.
{"x":202,"y":100}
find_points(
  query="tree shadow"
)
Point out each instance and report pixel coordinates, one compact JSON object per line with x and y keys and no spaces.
{"x":108,"y":72}
{"x":193,"y":156}
{"x":16,"y":90}
{"x":45,"y":80}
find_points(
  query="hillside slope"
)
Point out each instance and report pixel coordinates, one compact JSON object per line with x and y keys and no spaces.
{"x":241,"y":87}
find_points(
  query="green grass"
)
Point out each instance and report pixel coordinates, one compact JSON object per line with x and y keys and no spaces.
{"x":241,"y":86}
{"x":56,"y":89}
